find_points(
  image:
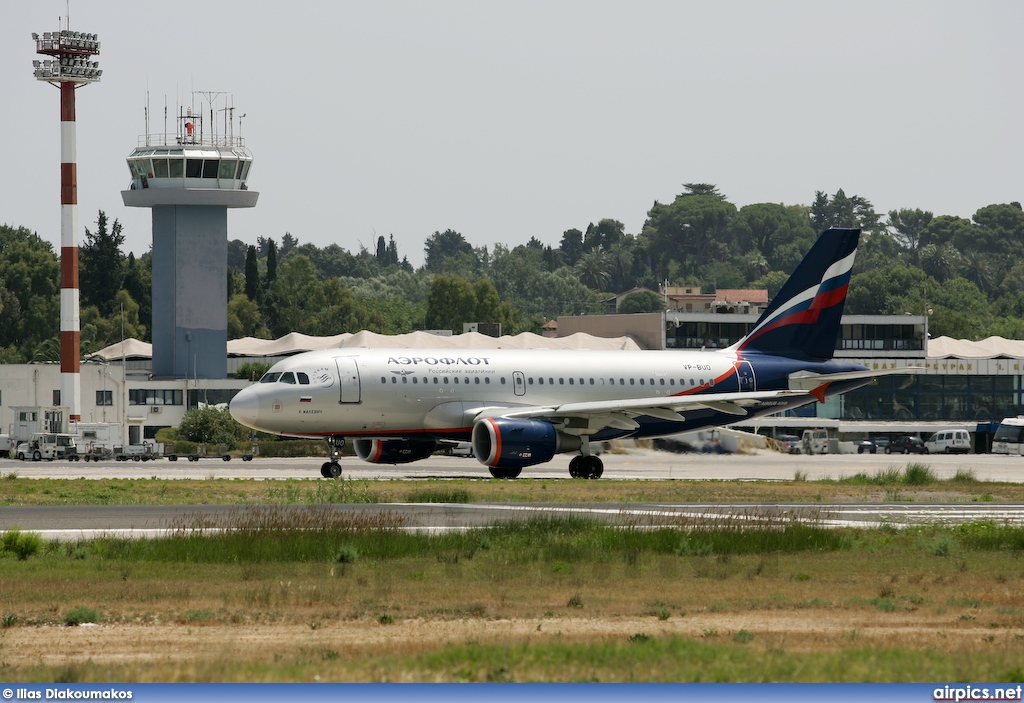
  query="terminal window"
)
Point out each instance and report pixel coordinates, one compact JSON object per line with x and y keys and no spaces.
{"x":104,"y":397}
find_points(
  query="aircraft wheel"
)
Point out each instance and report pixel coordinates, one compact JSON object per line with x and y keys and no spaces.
{"x":591,"y":467}
{"x":574,"y":467}
{"x":330,"y":469}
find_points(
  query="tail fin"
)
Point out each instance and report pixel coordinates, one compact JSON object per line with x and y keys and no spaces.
{"x":803,"y":319}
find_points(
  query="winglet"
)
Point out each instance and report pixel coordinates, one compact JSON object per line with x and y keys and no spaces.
{"x":819,"y":391}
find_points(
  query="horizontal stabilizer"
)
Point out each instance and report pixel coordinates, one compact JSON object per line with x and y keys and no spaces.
{"x":808,"y":381}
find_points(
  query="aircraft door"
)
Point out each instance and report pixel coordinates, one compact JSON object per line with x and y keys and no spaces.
{"x":745,"y":377}
{"x":518,"y":383}
{"x":348,"y":373}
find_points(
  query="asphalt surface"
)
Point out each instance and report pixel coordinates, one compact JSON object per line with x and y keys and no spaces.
{"x":636,"y":464}
{"x":74,"y":522}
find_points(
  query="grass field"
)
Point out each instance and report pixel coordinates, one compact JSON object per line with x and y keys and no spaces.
{"x":309,"y":595}
{"x":914,"y":482}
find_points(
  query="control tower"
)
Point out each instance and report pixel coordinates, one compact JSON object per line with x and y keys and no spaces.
{"x":189,"y":178}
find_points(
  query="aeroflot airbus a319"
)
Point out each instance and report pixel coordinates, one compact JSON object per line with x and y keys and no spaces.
{"x":521,"y":407}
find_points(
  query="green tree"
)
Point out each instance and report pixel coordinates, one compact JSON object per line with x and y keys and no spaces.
{"x":908,"y":226}
{"x":441,"y":247}
{"x":571,"y":246}
{"x":451,"y":303}
{"x":843,"y":211}
{"x":642,"y":301}
{"x":138,"y":283}
{"x":244,"y":318}
{"x":694,"y":230}
{"x":780,"y":234}
{"x":593,"y":268}
{"x":102,"y":266}
{"x":253,"y":289}
{"x":211,"y":425}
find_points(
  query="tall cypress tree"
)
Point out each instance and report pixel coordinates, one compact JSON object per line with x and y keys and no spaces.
{"x":252,"y":275}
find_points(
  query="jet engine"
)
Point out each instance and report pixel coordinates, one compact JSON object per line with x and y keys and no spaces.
{"x":393,"y":451}
{"x":511,"y":443}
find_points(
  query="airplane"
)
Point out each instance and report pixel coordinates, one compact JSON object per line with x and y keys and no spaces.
{"x":519,"y":408}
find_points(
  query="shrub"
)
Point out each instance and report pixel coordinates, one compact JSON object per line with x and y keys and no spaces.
{"x":21,"y":544}
{"x":81,"y":614}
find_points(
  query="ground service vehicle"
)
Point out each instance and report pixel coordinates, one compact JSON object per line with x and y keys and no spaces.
{"x":49,"y":446}
{"x":815,"y":442}
{"x":906,"y":445}
{"x":953,"y":441}
{"x":1008,"y":437}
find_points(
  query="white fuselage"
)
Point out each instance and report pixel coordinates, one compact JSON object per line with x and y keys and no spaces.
{"x":408,"y":392}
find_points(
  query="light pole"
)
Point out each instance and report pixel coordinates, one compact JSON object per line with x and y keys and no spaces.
{"x":69,"y":66}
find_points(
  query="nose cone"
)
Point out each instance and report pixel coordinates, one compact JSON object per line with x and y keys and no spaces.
{"x":245,"y":407}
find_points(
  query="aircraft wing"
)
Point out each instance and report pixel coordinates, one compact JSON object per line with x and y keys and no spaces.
{"x":620,"y":413}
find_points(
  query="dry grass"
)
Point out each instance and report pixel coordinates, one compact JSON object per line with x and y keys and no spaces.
{"x":889,"y":607}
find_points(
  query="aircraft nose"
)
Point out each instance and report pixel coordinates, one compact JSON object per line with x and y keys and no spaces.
{"x":245,"y":407}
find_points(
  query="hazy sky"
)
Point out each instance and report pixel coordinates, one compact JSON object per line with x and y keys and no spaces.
{"x":510,"y":120}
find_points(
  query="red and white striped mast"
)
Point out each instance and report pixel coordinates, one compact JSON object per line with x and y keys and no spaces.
{"x":69,"y":67}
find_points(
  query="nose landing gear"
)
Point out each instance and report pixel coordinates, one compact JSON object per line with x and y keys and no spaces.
{"x":332,"y":469}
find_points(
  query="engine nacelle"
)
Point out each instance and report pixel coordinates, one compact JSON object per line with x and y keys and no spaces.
{"x":509,"y":443}
{"x":393,"y":451}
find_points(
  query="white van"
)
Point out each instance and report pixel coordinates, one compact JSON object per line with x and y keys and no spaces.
{"x":949,"y":442}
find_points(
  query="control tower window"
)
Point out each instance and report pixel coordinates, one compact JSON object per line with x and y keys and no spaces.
{"x":176,"y":168}
{"x":210,"y":168}
{"x":227,"y":168}
{"x":159,"y":168}
{"x":193,"y":168}
{"x":245,"y":170}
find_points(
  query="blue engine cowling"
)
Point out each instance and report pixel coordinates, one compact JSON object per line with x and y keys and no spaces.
{"x":393,"y":451}
{"x":509,"y":443}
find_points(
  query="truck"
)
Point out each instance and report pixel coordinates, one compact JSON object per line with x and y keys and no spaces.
{"x":49,"y":446}
{"x":816,"y":442}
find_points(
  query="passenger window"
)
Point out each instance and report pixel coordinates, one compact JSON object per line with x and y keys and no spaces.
{"x":529,"y":381}
{"x":488,"y":380}
{"x":394,"y":379}
{"x":551,"y":381}
{"x":405,"y":379}
{"x":446,"y":380}
{"x":661,"y":382}
{"x":632,"y":381}
{"x":540,"y":380}
{"x":570,"y":381}
{"x":477,"y":380}
{"x":435,"y":380}
{"x":561,"y":381}
{"x":383,"y":380}
{"x":303,"y":378}
{"x":415,"y":380}
{"x":641,"y":381}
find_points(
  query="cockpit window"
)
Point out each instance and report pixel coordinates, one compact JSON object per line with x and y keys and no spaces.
{"x":303,"y":378}
{"x":270,"y":377}
{"x":288,"y":377}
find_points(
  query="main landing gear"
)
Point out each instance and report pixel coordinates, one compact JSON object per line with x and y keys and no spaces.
{"x":586,"y":467}
{"x":332,"y":469}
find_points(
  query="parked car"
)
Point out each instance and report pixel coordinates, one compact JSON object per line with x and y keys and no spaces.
{"x":865,"y":446}
{"x":906,"y":445}
{"x":790,"y":443}
{"x":880,"y":443}
{"x":950,"y":441}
